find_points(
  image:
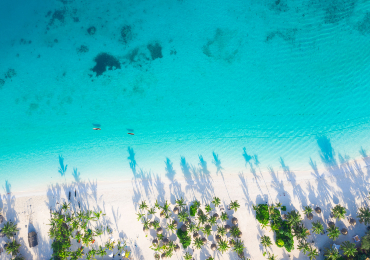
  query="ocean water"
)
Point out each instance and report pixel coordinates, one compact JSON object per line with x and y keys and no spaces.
{"x":262,"y":80}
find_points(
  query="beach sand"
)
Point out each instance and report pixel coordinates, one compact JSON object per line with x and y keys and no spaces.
{"x":345,"y":184}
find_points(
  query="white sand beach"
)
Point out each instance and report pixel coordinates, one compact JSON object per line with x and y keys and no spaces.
{"x":346,"y":185}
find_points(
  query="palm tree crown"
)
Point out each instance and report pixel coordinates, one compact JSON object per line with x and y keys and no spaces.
{"x":349,"y":249}
{"x":364,"y":215}
{"x":234,"y":205}
{"x":216,"y":201}
{"x":333,"y":232}
{"x":339,"y":212}
{"x":317,"y":227}
{"x":266,"y":241}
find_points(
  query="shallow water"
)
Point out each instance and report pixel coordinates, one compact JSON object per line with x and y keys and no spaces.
{"x":195,"y":78}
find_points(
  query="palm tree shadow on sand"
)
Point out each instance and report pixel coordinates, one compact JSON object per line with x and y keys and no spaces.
{"x":217,"y":162}
{"x":175,"y":187}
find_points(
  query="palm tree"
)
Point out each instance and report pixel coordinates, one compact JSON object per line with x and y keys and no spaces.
{"x":196,"y":203}
{"x":212,"y":221}
{"x":312,"y":253}
{"x":216,"y":201}
{"x":317,"y":227}
{"x":19,"y":257}
{"x":156,"y":224}
{"x":101,"y":252}
{"x":234,"y":205}
{"x":171,"y":227}
{"x":339,"y":212}
{"x":208,"y":208}
{"x":364,"y":215}
{"x":143,"y":205}
{"x":198,"y":243}
{"x":151,"y":211}
{"x":333,"y":232}
{"x":166,"y":207}
{"x":224,"y":216}
{"x":183,"y":216}
{"x":188,"y":256}
{"x":202,"y":219}
{"x":293,"y":218}
{"x":307,"y":210}
{"x":304,"y":246}
{"x":156,"y":204}
{"x":349,"y":249}
{"x":331,"y":253}
{"x":300,"y":231}
{"x":271,"y":257}
{"x":77,"y":254}
{"x":140,"y":216}
{"x":91,"y":254}
{"x":221,"y":230}
{"x":266,"y":241}
{"x":238,"y":247}
{"x":207,"y":230}
{"x":146,"y":223}
{"x":98,"y":215}
{"x":223,"y":246}
{"x":180,"y":203}
{"x":235,"y":231}
{"x":9,"y":229}
{"x":13,"y":248}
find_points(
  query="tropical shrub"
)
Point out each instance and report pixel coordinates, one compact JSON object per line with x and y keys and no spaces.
{"x":262,"y":214}
{"x":283,"y":208}
{"x":349,"y":249}
{"x":280,"y":242}
{"x":285,"y":234}
{"x":193,"y":210}
{"x":185,"y":239}
{"x":333,"y":232}
{"x":317,"y":227}
{"x":9,"y":229}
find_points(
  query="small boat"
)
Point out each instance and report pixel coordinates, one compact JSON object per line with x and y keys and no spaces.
{"x":131,"y":133}
{"x":96,"y":128}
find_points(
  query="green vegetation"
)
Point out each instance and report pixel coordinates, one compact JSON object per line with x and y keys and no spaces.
{"x":262,"y":214}
{"x":216,"y":201}
{"x":285,"y":234}
{"x":180,"y":203}
{"x":185,"y":239}
{"x":317,"y":227}
{"x":198,"y":243}
{"x":221,"y":230}
{"x":333,"y":232}
{"x":349,"y":249}
{"x":235,"y":231}
{"x":339,"y":212}
{"x":266,"y":241}
{"x":238,"y":247}
{"x":223,"y":246}
{"x":208,"y":208}
{"x":364,"y":215}
{"x":188,"y":256}
{"x":193,"y":210}
{"x":307,"y":210}
{"x":331,"y":253}
{"x":234,"y":205}
{"x":9,"y":229}
{"x":13,"y":248}
{"x":64,"y":224}
{"x":293,"y":218}
{"x":224,"y":216}
{"x":312,"y":253}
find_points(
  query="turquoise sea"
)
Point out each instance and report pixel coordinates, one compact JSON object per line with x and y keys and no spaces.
{"x":219,"y":81}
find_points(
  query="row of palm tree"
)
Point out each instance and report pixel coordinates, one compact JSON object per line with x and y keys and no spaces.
{"x":11,"y":247}
{"x":67,"y":226}
{"x":204,"y":221}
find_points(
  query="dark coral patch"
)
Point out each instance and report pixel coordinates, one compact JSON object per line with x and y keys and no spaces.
{"x":364,"y":25}
{"x":105,"y":61}
{"x":58,"y":15}
{"x":126,"y":34}
{"x":91,"y":30}
{"x":155,"y":50}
